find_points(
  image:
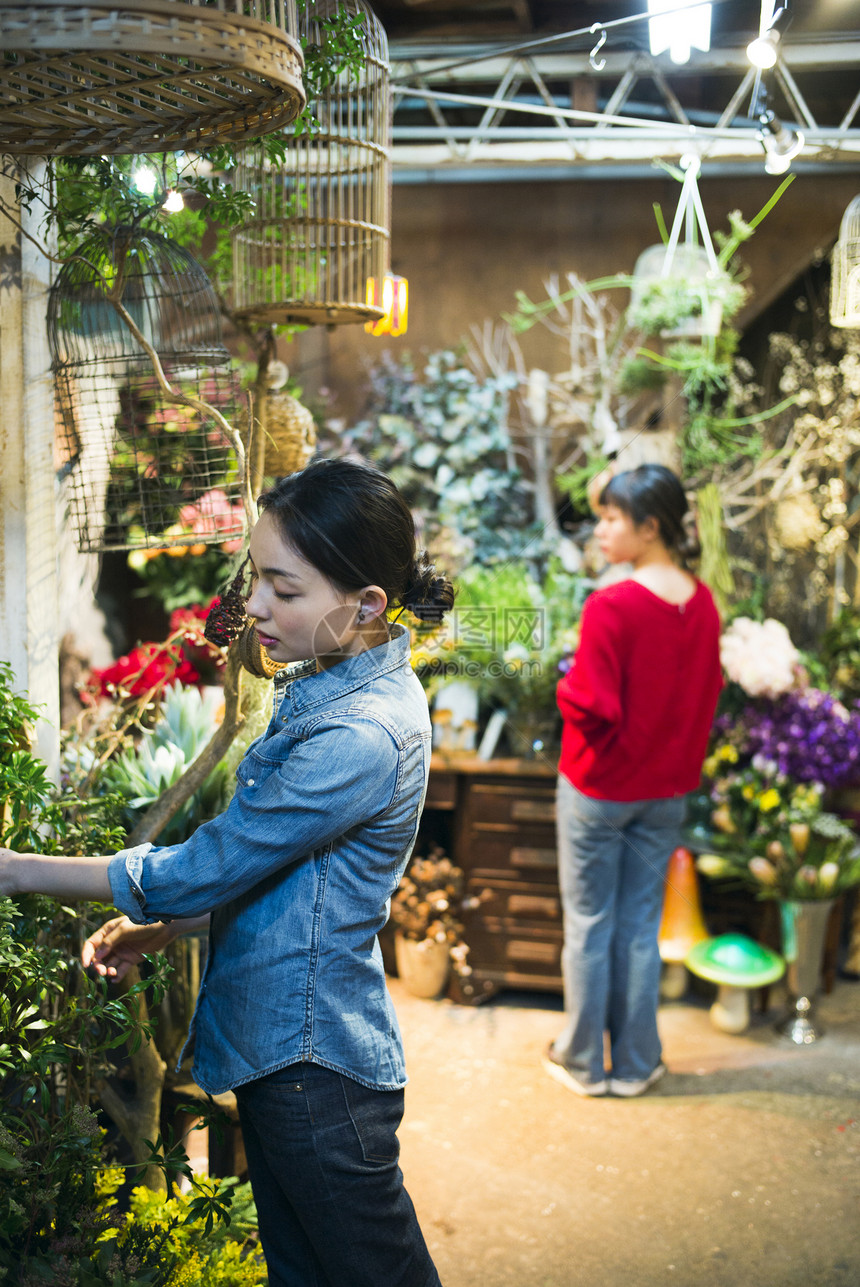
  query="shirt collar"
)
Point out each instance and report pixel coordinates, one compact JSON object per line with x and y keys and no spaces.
{"x":309,"y":688}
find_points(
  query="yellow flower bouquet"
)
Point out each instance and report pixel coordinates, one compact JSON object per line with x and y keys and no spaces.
{"x":773,"y":834}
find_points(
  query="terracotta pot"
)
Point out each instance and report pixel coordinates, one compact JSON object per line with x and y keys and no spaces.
{"x":423,"y":966}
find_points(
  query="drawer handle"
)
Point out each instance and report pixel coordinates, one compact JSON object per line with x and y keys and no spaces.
{"x":539,"y":953}
{"x":533,"y":905}
{"x":525,"y":857}
{"x":533,"y":811}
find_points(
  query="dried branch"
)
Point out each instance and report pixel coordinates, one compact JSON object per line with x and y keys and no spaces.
{"x":159,"y":814}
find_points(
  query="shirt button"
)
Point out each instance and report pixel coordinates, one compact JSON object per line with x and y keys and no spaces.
{"x":250,"y":781}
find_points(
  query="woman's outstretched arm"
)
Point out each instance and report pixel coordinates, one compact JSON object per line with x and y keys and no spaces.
{"x":73,"y":879}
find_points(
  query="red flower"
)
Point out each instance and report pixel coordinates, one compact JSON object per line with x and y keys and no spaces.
{"x":149,"y":667}
{"x":191,"y":621}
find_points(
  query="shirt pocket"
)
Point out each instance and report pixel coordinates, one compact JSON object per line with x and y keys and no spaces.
{"x":263,"y":759}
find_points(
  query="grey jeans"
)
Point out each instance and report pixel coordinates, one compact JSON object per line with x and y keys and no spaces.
{"x":613,"y":857}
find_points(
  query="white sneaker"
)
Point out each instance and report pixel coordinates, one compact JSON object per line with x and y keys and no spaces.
{"x":568,"y":1078}
{"x":629,"y":1089}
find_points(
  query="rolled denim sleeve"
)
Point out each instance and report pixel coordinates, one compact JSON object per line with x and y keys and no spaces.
{"x":293,"y":797}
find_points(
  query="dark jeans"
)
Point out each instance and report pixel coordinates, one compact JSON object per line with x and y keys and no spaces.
{"x":322,"y":1156}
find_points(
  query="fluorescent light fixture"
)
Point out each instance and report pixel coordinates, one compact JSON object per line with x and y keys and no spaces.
{"x":781,"y":144}
{"x":680,"y":30}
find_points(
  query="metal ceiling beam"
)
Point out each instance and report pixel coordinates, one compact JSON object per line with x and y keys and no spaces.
{"x":527,"y":120}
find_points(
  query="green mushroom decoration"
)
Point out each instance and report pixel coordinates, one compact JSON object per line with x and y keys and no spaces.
{"x":735,"y":963}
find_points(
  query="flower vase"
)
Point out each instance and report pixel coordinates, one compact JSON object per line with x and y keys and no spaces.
{"x":423,"y":965}
{"x":804,"y":927}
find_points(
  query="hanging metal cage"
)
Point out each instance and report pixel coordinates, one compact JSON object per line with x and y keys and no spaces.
{"x":845,"y":272}
{"x":321,"y":224}
{"x":145,"y":76}
{"x":137,"y":469}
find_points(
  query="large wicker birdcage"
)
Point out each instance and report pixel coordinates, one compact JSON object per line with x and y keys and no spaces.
{"x":321,"y":224}
{"x":845,"y":273}
{"x":137,"y":470}
{"x":145,"y":75}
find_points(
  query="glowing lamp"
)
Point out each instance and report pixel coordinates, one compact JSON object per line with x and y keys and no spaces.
{"x":685,"y":27}
{"x":392,"y":296}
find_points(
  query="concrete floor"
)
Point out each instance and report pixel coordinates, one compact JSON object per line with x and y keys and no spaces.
{"x":740,"y":1168}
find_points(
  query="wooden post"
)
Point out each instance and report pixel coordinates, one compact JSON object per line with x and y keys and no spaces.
{"x":28,"y":541}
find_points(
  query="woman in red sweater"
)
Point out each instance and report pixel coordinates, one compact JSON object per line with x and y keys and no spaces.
{"x":637,"y":706}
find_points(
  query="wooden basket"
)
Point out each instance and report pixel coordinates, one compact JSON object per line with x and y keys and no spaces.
{"x":146,"y":76}
{"x":290,"y":434}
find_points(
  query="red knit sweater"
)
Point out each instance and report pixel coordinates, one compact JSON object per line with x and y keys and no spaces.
{"x":638,"y":701}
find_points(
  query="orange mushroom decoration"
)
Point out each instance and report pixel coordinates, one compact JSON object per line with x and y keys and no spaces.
{"x":682,"y":925}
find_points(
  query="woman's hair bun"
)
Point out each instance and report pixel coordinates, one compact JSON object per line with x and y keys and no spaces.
{"x":428,"y":595}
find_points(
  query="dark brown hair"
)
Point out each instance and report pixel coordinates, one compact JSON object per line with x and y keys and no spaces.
{"x":654,"y":491}
{"x":351,"y":523}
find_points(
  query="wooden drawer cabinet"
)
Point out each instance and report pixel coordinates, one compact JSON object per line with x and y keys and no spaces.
{"x":501,"y":831}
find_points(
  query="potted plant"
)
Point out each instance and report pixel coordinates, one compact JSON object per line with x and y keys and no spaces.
{"x":425,"y":911}
{"x":768,"y":775}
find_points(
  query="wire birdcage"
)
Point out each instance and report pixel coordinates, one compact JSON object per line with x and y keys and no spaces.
{"x":145,"y":76}
{"x":139,"y":471}
{"x":321,"y":225}
{"x":845,"y":273}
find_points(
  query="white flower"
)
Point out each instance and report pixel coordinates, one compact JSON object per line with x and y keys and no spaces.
{"x":759,"y":656}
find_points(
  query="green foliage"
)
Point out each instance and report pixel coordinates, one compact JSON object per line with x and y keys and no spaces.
{"x":226,"y":1257}
{"x":666,"y":304}
{"x":839,"y":656}
{"x":183,"y":576}
{"x":575,"y":483}
{"x":35,"y":815}
{"x":442,"y":437}
{"x":60,"y":1031}
{"x":508,"y":634}
{"x":142,"y":773}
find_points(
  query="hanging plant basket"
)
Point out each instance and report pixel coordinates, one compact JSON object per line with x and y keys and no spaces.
{"x":687,"y":303}
{"x":321,"y":223}
{"x":145,"y":76}
{"x":137,"y":470}
{"x":680,"y":290}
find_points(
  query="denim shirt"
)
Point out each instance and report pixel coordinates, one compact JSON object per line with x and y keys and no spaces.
{"x":298,"y":873}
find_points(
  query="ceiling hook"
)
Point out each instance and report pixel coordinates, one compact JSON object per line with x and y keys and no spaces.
{"x":597,"y":65}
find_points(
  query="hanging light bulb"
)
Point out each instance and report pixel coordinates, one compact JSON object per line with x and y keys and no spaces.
{"x":781,"y":144}
{"x":763,"y":52}
{"x":679,"y":31}
{"x":392,"y":296}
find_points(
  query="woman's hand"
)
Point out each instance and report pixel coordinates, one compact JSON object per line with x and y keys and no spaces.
{"x":119,"y":944}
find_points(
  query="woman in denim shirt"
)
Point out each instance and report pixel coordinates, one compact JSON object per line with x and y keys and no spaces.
{"x":294,"y":881}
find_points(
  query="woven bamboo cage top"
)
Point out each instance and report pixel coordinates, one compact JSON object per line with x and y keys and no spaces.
{"x":845,"y":278}
{"x":321,"y":224}
{"x":137,"y":470}
{"x":145,"y":76}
